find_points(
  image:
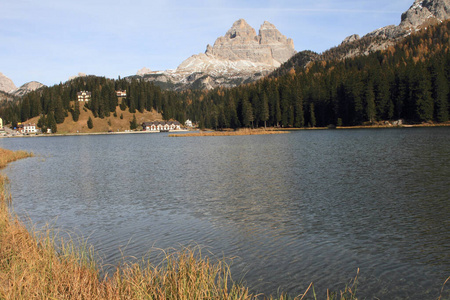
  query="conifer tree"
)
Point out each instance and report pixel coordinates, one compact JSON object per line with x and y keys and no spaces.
{"x":247,"y":113}
{"x":42,"y":123}
{"x":59,"y":111}
{"x":51,"y":122}
{"x":312,"y":118}
{"x":90,"y":124}
{"x":133,"y":123}
{"x":76,"y":112}
{"x":299,"y":115}
{"x":370,"y":103}
{"x":265,"y":109}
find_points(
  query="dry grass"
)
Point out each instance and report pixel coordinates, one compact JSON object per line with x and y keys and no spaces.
{"x":7,"y":156}
{"x":229,"y":133}
{"x":106,"y":124}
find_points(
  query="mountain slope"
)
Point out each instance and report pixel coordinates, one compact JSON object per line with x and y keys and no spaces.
{"x":420,"y":15}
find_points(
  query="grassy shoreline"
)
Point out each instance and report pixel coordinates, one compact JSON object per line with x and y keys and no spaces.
{"x":230,"y":132}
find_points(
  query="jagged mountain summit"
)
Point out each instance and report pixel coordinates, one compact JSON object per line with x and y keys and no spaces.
{"x":268,"y":49}
{"x":421,"y":14}
{"x":26,"y":88}
{"x":6,"y":84}
{"x":239,"y":56}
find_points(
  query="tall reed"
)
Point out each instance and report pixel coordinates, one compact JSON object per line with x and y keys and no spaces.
{"x":7,"y":156}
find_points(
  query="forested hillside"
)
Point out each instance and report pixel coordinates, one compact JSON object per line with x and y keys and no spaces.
{"x":408,"y":81}
{"x":55,"y":104}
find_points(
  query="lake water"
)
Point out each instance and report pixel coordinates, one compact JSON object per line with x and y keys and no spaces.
{"x":292,"y":208}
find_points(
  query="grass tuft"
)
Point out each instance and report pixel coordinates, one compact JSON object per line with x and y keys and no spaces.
{"x":7,"y":156}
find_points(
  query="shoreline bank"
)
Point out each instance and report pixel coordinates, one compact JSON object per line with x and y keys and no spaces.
{"x":231,"y":132}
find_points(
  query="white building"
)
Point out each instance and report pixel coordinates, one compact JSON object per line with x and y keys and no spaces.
{"x":1,"y":124}
{"x":84,"y":96}
{"x":188,"y":123}
{"x":121,"y":93}
{"x":161,"y":126}
{"x":29,"y":128}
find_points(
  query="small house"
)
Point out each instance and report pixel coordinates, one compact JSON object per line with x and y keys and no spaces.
{"x":161,"y":126}
{"x":1,"y":124}
{"x":121,"y":94}
{"x":29,"y":128}
{"x":84,"y":96}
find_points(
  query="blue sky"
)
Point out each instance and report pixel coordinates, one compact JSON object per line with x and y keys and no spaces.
{"x":51,"y":40}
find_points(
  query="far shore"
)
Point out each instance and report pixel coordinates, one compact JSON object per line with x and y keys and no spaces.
{"x":229,"y":132}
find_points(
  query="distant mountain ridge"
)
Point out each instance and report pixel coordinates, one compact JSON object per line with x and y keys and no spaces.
{"x":26,"y":88}
{"x":8,"y":87}
{"x":421,"y":14}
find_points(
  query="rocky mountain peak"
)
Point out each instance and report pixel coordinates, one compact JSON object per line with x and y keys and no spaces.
{"x":425,"y":11}
{"x":421,"y":14}
{"x":144,"y":71}
{"x":269,"y":47}
{"x":237,"y":57}
{"x":269,"y":34}
{"x":26,"y":88}
{"x":6,"y":84}
{"x":241,"y":31}
{"x":422,"y":10}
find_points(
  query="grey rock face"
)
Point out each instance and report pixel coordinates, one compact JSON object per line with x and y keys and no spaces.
{"x":352,"y":38}
{"x":6,"y":84}
{"x":420,"y":14}
{"x":422,"y":10}
{"x":26,"y":88}
{"x":237,"y":57}
{"x":269,"y":47}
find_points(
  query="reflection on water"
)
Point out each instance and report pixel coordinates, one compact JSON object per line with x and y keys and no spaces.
{"x":295,"y":208}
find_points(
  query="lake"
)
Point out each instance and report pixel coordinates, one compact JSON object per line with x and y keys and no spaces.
{"x":293,"y":208}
